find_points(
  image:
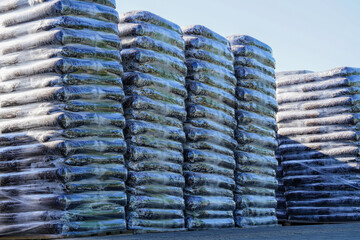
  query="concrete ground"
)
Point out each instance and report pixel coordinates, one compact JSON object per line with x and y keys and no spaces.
{"x":307,"y":232}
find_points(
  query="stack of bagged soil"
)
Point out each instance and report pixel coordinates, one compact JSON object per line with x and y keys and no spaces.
{"x":255,"y":133}
{"x":209,"y":156}
{"x":61,"y":119}
{"x":281,"y":211}
{"x":318,"y":142}
{"x":154,"y":83}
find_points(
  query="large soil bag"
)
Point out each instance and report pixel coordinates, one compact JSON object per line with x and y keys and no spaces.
{"x":154,"y":83}
{"x":209,"y":157}
{"x":62,"y":169}
{"x":256,"y":164}
{"x":318,"y":122}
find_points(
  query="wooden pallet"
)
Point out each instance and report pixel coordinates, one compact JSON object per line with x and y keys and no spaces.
{"x":45,"y":237}
{"x":120,"y":232}
{"x":37,"y":237}
{"x":141,"y":231}
{"x":299,"y":223}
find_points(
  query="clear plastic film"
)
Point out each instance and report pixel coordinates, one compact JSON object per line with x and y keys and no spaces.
{"x":255,"y":132}
{"x":318,"y":144}
{"x":209,"y":158}
{"x":154,"y":84}
{"x":62,"y":169}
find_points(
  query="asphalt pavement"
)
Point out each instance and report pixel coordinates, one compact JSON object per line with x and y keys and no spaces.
{"x":307,"y":232}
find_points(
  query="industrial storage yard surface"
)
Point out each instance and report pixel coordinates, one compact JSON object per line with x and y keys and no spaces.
{"x":313,"y":232}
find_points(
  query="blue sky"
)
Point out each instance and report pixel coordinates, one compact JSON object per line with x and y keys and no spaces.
{"x":304,"y":34}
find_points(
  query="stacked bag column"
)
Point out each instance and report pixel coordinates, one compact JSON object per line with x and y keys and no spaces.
{"x":281,"y":211}
{"x":318,"y":122}
{"x":209,"y":156}
{"x":154,"y":82}
{"x":255,"y":153}
{"x":61,"y":119}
